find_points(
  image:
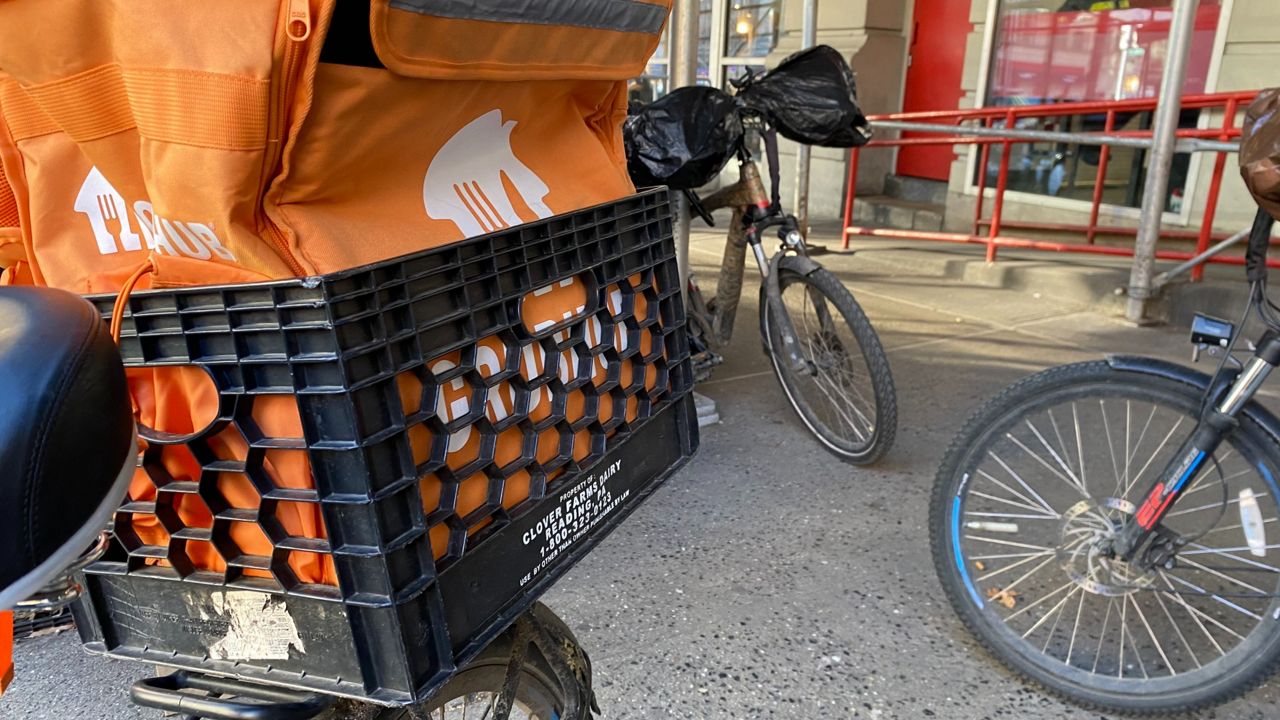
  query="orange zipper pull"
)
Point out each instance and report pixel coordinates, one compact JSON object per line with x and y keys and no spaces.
{"x":298,"y":24}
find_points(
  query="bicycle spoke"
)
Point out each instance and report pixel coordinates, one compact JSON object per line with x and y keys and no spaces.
{"x":848,"y":421}
{"x":1201,"y":592}
{"x":1156,"y":452}
{"x":1152,"y":634}
{"x":1198,"y":613}
{"x":1070,"y":477}
{"x":1023,"y":483}
{"x":1227,"y":553}
{"x":1014,"y":516}
{"x":1041,"y":601}
{"x":1106,"y":429}
{"x":850,"y":402}
{"x":1228,"y":578}
{"x":1238,"y":526}
{"x":1055,"y":611}
{"x":1002,"y":556}
{"x":1062,"y":445}
{"x":1029,"y":503}
{"x":1020,"y":563}
{"x":1075,"y":628}
{"x":1102,"y":635}
{"x":1142,"y":435}
{"x":1211,"y":506}
{"x":1075,"y":417}
{"x":1196,"y":486}
{"x":1127,"y":409}
{"x":1124,"y":633}
{"x":998,"y":541}
{"x":1177,"y":629}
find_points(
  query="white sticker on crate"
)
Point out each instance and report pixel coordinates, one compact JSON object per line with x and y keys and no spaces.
{"x":259,"y":627}
{"x":577,"y":512}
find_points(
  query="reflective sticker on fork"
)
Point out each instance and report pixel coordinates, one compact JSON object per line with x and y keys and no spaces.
{"x":1255,"y":530}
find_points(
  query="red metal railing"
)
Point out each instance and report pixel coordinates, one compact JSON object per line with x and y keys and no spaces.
{"x":995,"y":226}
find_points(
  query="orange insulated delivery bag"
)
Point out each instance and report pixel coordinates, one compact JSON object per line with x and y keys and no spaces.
{"x":154,"y":144}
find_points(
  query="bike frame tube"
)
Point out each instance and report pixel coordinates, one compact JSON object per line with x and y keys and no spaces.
{"x":748,"y":192}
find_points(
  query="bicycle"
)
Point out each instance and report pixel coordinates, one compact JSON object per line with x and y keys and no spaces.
{"x":1108,"y":529}
{"x":833,"y":371}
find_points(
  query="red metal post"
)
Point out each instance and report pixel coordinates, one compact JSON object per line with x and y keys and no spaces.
{"x":997,"y":226}
{"x":1100,"y":181}
{"x":1002,"y":181}
{"x":1215,"y":186}
{"x":982,"y":181}
{"x":849,"y":195}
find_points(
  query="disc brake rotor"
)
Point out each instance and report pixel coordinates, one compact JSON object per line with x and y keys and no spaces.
{"x":1087,"y":530}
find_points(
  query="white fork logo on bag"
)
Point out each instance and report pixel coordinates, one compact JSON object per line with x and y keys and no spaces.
{"x":108,"y":214}
{"x":464,"y":181}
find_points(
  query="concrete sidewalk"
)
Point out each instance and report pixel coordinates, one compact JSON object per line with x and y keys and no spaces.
{"x":767,"y":579}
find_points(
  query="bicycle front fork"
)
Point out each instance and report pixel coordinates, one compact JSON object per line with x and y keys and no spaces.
{"x":789,"y":233}
{"x":1135,"y":539}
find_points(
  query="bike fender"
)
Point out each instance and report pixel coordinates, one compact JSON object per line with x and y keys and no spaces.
{"x":799,"y":264}
{"x":773,"y":299}
{"x":1193,"y":378}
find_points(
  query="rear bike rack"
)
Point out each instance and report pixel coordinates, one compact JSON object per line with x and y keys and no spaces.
{"x":259,"y":702}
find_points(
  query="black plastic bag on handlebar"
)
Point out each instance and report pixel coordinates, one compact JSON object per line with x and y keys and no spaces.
{"x":683,"y":139}
{"x":811,"y":99}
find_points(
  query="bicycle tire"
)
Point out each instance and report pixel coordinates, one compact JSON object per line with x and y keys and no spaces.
{"x":538,"y":691}
{"x":884,"y":423}
{"x":1233,"y":674}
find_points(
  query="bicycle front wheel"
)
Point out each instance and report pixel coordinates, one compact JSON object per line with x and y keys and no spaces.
{"x":846,"y":396}
{"x":1024,"y":507}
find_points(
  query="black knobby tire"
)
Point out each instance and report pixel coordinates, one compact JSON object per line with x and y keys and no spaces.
{"x":538,"y":695}
{"x":1028,"y":407}
{"x":826,"y":338}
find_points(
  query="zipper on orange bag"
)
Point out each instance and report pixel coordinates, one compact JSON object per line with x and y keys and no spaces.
{"x":296,"y":30}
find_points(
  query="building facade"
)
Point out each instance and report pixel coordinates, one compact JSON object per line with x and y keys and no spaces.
{"x":944,"y":54}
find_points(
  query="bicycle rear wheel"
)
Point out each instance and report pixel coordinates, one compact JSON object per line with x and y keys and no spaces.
{"x":474,"y":691}
{"x":1023,"y":507}
{"x":846,"y":396}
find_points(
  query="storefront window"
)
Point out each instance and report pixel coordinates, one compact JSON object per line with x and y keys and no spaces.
{"x":751,"y":28}
{"x":653,"y":84}
{"x":750,"y":34}
{"x":733,"y":36}
{"x":1061,"y":51}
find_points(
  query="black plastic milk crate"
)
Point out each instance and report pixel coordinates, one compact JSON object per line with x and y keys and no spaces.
{"x":462,"y":454}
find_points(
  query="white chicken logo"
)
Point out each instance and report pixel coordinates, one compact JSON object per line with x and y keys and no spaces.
{"x":464,"y":180}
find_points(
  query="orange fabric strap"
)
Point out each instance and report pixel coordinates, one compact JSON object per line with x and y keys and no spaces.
{"x":122,"y":298}
{"x":23,"y":115}
{"x":6,"y":649}
{"x":187,"y":107}
{"x":8,"y":205}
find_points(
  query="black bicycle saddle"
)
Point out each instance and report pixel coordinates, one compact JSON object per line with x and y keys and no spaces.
{"x":66,"y":434}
